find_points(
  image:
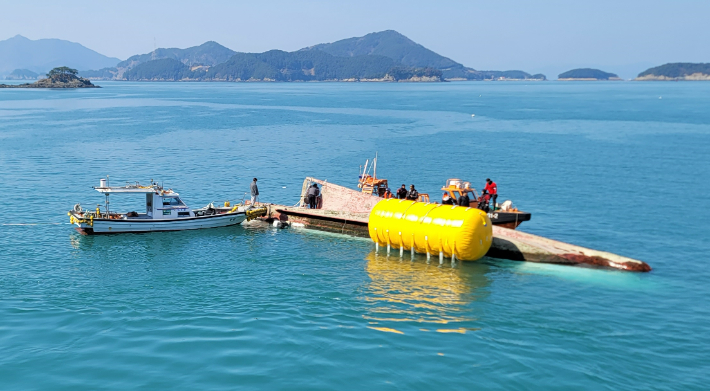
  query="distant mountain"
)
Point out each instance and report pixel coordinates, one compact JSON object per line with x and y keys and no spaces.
{"x":386,"y":56}
{"x":408,"y":53}
{"x":390,"y":44}
{"x":42,"y":55}
{"x":22,"y":74}
{"x":677,"y":71}
{"x":277,"y":65}
{"x":209,"y":53}
{"x":587,"y":74}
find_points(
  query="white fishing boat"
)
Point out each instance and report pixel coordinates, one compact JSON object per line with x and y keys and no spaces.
{"x":164,"y":211}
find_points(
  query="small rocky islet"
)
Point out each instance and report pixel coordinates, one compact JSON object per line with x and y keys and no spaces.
{"x":62,"y":77}
{"x":586,"y":74}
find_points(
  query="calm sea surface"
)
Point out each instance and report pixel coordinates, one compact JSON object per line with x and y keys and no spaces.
{"x":622,"y":167}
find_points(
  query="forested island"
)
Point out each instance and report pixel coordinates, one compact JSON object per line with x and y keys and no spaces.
{"x":277,"y":65}
{"x":587,"y":74}
{"x":677,"y":71}
{"x":383,"y":56}
{"x":61,"y":77}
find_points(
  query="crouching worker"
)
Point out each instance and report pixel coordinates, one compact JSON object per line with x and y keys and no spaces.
{"x":483,"y":202}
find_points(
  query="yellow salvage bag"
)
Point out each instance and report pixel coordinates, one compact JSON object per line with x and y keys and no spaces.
{"x":431,"y":228}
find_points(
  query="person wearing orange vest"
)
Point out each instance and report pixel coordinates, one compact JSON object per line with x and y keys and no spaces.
{"x":492,"y":189}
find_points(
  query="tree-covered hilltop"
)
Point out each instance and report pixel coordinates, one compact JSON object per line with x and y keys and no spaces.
{"x":209,"y":53}
{"x":410,"y":54}
{"x":390,"y":44}
{"x":22,"y":74}
{"x":166,"y":69}
{"x":677,"y":71}
{"x":278,"y":65}
{"x":587,"y":73}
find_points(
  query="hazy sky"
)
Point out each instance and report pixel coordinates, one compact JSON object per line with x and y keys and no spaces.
{"x":622,"y":36}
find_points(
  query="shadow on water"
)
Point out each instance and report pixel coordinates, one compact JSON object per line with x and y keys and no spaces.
{"x":414,"y":290}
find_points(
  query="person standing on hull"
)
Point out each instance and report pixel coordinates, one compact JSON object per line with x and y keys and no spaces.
{"x":254,"y":192}
{"x":402,"y":192}
{"x":413,"y":194}
{"x":492,"y":189}
{"x":313,"y":194}
{"x":464,"y":200}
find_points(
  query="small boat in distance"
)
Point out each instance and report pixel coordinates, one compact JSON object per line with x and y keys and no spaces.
{"x":164,"y":211}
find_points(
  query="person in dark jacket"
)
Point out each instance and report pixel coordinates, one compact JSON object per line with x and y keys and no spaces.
{"x":413,"y":194}
{"x":402,"y":192}
{"x":313,"y":194}
{"x":254,"y":192}
{"x":464,"y":200}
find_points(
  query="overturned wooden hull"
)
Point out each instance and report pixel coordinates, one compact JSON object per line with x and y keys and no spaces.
{"x":346,"y":211}
{"x":521,"y":246}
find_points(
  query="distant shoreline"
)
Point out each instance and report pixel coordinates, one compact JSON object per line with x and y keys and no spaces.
{"x":590,"y":79}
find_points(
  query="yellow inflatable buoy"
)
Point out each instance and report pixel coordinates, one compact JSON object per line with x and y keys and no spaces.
{"x":464,"y":232}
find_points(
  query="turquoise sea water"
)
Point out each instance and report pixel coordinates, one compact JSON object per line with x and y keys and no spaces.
{"x":622,"y":167}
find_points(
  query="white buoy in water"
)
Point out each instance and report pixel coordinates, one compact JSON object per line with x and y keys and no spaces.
{"x":473,"y":115}
{"x":279,"y":224}
{"x":660,"y":97}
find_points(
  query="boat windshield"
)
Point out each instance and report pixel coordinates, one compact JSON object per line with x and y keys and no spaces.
{"x":172,"y":201}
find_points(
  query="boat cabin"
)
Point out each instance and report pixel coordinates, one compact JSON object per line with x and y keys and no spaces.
{"x":372,"y":185}
{"x":456,"y":187}
{"x":160,"y":204}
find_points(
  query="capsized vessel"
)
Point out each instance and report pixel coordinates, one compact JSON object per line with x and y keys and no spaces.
{"x":164,"y":211}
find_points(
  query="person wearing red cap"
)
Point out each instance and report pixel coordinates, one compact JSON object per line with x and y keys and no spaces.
{"x":492,"y":189}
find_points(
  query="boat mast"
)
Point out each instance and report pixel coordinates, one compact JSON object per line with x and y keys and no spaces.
{"x":108,"y":184}
{"x":374,"y":163}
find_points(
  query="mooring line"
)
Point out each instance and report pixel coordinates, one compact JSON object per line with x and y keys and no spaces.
{"x":33,"y":223}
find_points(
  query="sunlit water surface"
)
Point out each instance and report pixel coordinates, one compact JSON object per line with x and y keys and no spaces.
{"x":622,"y":167}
